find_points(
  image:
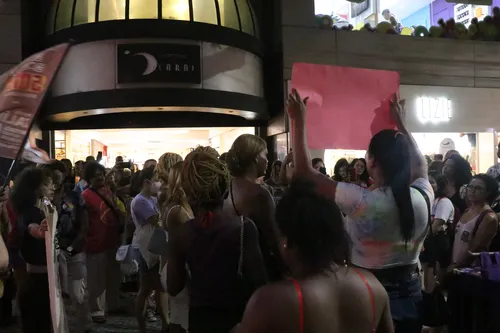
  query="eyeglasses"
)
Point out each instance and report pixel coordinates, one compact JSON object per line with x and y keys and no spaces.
{"x":476,"y":188}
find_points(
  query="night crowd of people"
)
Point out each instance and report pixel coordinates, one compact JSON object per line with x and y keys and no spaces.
{"x":222,"y":243}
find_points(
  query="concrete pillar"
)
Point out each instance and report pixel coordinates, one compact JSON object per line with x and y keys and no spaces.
{"x":10,"y":48}
{"x":298,"y":13}
{"x":10,"y":34}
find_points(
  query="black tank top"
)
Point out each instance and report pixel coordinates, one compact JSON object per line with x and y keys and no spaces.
{"x":212,"y":258}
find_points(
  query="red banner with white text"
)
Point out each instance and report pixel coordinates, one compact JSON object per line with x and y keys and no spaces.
{"x":23,"y":91}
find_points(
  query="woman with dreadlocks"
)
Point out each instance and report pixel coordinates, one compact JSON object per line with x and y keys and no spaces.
{"x":221,"y":250}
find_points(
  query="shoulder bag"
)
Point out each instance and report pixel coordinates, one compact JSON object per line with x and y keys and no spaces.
{"x":118,"y":216}
{"x":434,"y":309}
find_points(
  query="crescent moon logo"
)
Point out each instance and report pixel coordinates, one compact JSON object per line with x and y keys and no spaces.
{"x":152,"y":63}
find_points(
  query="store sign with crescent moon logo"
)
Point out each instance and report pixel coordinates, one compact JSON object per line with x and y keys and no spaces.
{"x":159,"y":63}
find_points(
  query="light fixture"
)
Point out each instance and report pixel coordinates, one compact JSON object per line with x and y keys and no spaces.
{"x":180,"y":9}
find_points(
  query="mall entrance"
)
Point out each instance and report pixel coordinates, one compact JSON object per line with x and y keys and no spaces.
{"x":140,"y":145}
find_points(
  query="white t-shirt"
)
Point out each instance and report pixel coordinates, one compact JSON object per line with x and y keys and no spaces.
{"x":373,"y":224}
{"x":443,"y":209}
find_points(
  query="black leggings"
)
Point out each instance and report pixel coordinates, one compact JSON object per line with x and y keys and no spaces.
{"x":34,"y":304}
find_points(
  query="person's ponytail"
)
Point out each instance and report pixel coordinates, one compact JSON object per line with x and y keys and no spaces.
{"x":400,"y":186}
{"x":390,"y":150}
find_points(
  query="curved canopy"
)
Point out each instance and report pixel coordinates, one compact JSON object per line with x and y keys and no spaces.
{"x":234,"y":14}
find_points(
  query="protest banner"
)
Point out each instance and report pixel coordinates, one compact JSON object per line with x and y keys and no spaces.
{"x":346,"y":106}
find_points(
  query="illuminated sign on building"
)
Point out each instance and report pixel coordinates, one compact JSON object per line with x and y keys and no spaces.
{"x":434,"y":110}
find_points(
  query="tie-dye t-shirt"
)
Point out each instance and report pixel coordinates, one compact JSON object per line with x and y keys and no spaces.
{"x":373,"y":224}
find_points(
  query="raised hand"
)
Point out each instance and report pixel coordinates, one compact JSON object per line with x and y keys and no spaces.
{"x":296,"y":106}
{"x":44,"y":226}
{"x":397,"y":110}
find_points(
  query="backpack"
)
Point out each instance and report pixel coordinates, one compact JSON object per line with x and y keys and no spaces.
{"x":495,"y":243}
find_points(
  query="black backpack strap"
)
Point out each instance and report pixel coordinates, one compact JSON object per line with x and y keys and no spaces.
{"x":479,"y":220}
{"x":428,"y":202}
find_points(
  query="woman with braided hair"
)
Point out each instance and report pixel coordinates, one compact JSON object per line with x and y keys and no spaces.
{"x":161,"y":177}
{"x":221,"y":250}
{"x":162,"y":170}
{"x":176,"y":211}
{"x":247,"y":161}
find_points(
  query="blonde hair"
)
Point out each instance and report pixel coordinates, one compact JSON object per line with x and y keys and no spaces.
{"x":205,"y":178}
{"x":175,"y":193}
{"x":164,"y":164}
{"x":243,"y":153}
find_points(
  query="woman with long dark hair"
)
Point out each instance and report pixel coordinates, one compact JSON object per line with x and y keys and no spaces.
{"x":360,"y":174}
{"x":32,"y":189}
{"x":458,"y":174}
{"x":436,"y":254}
{"x":315,"y":246}
{"x":387,"y":223}
{"x":341,"y":171}
{"x":221,"y":250}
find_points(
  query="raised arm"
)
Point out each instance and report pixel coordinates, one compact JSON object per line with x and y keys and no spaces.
{"x":301,"y":157}
{"x":418,"y":164}
{"x":283,"y":180}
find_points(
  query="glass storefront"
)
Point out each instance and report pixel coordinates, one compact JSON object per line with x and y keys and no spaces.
{"x":139,"y":145}
{"x":408,"y":14}
{"x":476,"y":148}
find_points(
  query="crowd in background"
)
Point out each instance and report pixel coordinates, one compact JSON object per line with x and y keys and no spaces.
{"x":215,"y":245}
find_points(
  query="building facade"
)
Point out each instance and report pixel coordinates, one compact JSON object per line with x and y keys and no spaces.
{"x":465,"y":74}
{"x":150,"y":63}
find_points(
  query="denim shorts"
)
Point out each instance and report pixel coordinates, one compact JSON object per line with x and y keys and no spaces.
{"x":405,"y":297}
{"x":143,"y":266}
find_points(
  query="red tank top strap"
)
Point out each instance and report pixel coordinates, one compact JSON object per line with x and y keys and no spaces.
{"x":372,"y":300}
{"x":301,"y":305}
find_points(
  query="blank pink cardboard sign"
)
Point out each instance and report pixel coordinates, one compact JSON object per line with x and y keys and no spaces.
{"x":346,"y":106}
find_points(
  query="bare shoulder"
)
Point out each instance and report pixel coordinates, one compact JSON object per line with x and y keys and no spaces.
{"x":491,"y":217}
{"x":271,"y":295}
{"x":358,"y":279}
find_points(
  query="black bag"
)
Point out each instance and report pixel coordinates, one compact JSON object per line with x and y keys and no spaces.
{"x":433,"y":309}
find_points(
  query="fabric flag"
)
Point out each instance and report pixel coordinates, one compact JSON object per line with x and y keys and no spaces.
{"x":22,"y":94}
{"x":346,"y":106}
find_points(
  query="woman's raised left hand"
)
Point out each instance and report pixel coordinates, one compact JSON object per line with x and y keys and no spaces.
{"x":296,"y":106}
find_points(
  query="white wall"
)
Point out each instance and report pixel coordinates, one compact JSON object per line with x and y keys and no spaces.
{"x":472,"y":109}
{"x":237,"y":70}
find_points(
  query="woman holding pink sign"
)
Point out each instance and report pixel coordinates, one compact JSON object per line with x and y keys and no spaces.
{"x":387,"y":223}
